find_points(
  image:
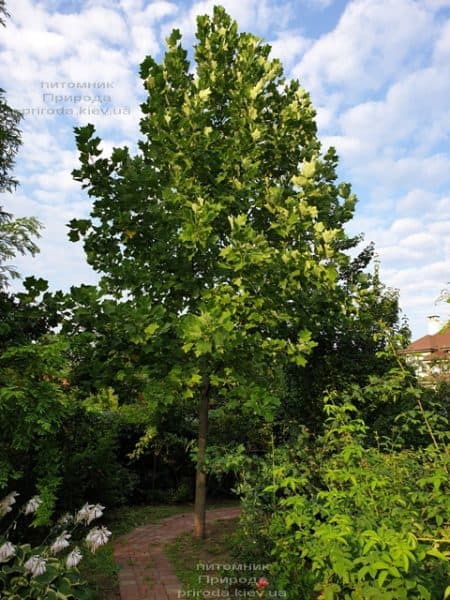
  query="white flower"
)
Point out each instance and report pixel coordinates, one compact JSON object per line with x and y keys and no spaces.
{"x":89,"y":512}
{"x":95,"y":513}
{"x":65,"y":519}
{"x":36,"y":565}
{"x":7,"y":550}
{"x":83,"y":513}
{"x":73,"y":558}
{"x":32,"y":505}
{"x":60,"y":543}
{"x":97,"y":537}
{"x":7,"y":502}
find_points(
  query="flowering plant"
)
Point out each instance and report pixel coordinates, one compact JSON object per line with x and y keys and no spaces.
{"x":37,"y":572}
{"x":261,"y":585}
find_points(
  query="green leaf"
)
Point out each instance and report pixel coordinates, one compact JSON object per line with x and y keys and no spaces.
{"x":382,"y":578}
{"x":436,"y":553}
{"x":150,"y":329}
{"x":204,"y":94}
{"x":309,"y":169}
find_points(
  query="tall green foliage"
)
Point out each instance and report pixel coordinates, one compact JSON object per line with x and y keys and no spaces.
{"x":227,"y":224}
{"x":10,"y":139}
{"x":15,"y":234}
{"x":33,"y":405}
{"x":337,"y":518}
{"x":359,"y":337}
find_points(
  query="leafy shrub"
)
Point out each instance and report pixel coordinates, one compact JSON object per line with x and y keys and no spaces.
{"x":154,"y":447}
{"x":34,"y":405}
{"x":50,"y":439}
{"x":339,"y":519}
{"x":92,"y":461}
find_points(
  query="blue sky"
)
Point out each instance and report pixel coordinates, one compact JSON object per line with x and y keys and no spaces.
{"x":377,"y":72}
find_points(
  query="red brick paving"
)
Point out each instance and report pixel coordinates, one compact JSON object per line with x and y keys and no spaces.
{"x":145,"y":572}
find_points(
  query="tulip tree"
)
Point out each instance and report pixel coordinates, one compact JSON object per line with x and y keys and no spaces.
{"x":223,"y":231}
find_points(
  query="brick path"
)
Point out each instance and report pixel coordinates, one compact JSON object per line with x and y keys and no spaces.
{"x":145,"y":572}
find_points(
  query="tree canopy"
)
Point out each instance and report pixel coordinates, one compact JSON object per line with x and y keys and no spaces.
{"x":226,"y":227}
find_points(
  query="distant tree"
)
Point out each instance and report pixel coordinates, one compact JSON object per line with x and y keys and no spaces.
{"x":3,"y":13}
{"x":226,"y":229}
{"x":353,"y":337}
{"x":9,"y":142}
{"x":9,"y":132}
{"x":25,"y":316}
{"x":15,"y":234}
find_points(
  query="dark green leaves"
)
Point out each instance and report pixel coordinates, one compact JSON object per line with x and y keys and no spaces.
{"x":78,"y":227}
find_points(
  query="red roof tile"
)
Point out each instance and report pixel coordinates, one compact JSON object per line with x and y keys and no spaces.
{"x":430,"y":343}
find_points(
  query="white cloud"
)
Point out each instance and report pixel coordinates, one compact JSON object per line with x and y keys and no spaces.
{"x":107,"y":145}
{"x":441,"y":53}
{"x":423,"y":242}
{"x":437,"y":4}
{"x":414,"y":257}
{"x":398,"y":256}
{"x":252,"y":15}
{"x":405,"y":226}
{"x":131,"y":7}
{"x":351,"y":149}
{"x":145,"y":43}
{"x":410,"y":171}
{"x":28,"y":14}
{"x":370,"y":46}
{"x":61,"y":180}
{"x":59,"y":261}
{"x":159,"y":10}
{"x":41,"y":44}
{"x":417,"y":201}
{"x":287,"y":47}
{"x":96,"y":23}
{"x":441,"y":228}
{"x":414,"y":106}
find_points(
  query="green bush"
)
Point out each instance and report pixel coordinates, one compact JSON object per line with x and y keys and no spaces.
{"x":338,"y":519}
{"x":92,"y":460}
{"x":50,"y":439}
{"x":34,"y":406}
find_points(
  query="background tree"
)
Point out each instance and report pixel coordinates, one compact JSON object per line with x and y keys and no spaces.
{"x":353,"y":336}
{"x":15,"y":237}
{"x":9,"y":142}
{"x":9,"y":131}
{"x":28,"y":315}
{"x":3,"y":12}
{"x":226,"y":228}
{"x":15,"y":234}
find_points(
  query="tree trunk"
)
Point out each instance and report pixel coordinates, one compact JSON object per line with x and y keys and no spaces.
{"x":200,"y":480}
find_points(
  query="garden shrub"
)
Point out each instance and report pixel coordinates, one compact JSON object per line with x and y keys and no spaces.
{"x":50,"y":439}
{"x":338,"y":519}
{"x":93,"y":464}
{"x":154,"y":447}
{"x":34,"y":406}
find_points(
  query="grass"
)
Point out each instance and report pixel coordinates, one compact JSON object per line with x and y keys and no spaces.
{"x":189,"y":556}
{"x":100,"y":569}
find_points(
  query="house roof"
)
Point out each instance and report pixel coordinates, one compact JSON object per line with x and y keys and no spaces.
{"x":431,"y":343}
